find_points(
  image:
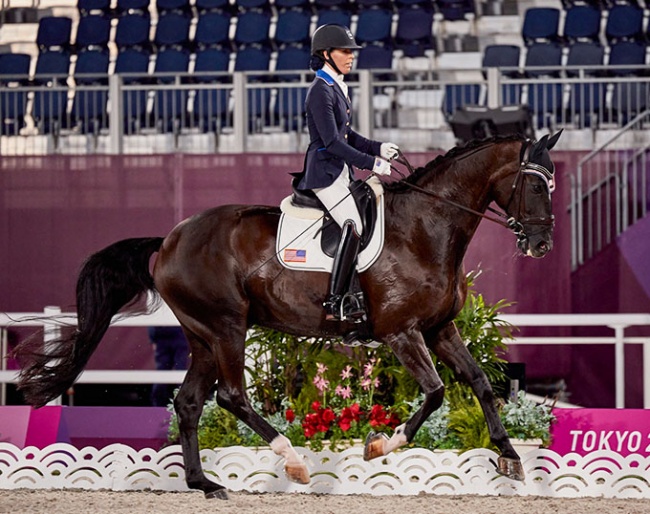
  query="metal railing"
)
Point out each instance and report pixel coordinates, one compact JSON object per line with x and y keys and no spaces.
{"x":609,"y":190}
{"x":51,"y":320}
{"x":224,"y":112}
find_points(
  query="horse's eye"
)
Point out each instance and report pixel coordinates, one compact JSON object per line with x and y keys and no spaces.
{"x":537,"y":189}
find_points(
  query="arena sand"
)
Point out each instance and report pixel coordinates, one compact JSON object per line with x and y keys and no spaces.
{"x":25,"y":501}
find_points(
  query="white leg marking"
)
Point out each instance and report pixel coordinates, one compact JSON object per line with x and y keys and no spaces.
{"x":397,"y":440}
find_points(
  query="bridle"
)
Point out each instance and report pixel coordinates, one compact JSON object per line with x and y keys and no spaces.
{"x":514,"y":223}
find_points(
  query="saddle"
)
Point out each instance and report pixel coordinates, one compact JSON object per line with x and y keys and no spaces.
{"x":366,"y":200}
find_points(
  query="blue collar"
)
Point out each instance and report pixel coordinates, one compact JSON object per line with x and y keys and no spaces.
{"x":326,"y":77}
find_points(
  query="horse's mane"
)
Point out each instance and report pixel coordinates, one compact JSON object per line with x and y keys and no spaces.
{"x":441,"y":162}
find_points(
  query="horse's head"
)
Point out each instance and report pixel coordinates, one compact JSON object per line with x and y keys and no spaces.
{"x":529,"y":206}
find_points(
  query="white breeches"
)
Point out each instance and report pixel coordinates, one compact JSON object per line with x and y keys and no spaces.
{"x":339,"y":202}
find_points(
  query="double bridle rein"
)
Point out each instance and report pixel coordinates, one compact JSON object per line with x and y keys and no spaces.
{"x":510,"y":222}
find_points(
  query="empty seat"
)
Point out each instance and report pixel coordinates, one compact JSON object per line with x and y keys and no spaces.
{"x":586,"y":102}
{"x":629,"y":99}
{"x":213,"y":29}
{"x":374,"y":26}
{"x":252,"y":28}
{"x":261,"y":5}
{"x":547,"y":55}
{"x":170,"y":104}
{"x":256,"y":59}
{"x":582,"y":23}
{"x":291,"y":4}
{"x":50,"y":99}
{"x":626,"y":53}
{"x":87,"y":7}
{"x":133,"y":63}
{"x":93,"y":32}
{"x":501,"y":56}
{"x":546,"y":103}
{"x":293,"y":27}
{"x":133,"y":31}
{"x":14,"y":73}
{"x":292,"y":58}
{"x":414,"y":33}
{"x":624,"y":23}
{"x":335,"y":16}
{"x":541,"y":24}
{"x":89,"y":105}
{"x":54,"y":32}
{"x":132,"y":6}
{"x":454,"y":10}
{"x":173,"y":30}
{"x":213,"y":5}
{"x":181,"y":6}
{"x":377,"y":57}
{"x":211,"y":106}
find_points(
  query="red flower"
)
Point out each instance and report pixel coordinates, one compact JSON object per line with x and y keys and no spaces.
{"x":290,"y":415}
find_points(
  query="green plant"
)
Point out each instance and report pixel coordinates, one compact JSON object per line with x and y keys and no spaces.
{"x":526,"y":419}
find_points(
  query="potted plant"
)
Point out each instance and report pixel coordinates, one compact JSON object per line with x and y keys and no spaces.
{"x":528,"y":423}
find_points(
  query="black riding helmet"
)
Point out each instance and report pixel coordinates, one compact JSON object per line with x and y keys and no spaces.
{"x":328,"y":37}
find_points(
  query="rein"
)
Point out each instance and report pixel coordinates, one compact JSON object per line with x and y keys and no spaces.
{"x":503,"y":219}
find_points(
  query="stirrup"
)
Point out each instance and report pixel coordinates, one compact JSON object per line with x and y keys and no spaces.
{"x":349,"y":307}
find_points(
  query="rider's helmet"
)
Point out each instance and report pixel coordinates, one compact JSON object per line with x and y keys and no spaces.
{"x":331,"y":36}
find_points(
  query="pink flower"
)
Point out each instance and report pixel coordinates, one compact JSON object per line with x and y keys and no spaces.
{"x":343,"y":392}
{"x":320,"y":383}
{"x":366,"y":383}
{"x":346,"y":373}
{"x":321,"y":368}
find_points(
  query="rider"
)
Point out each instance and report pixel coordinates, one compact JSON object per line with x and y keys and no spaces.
{"x":333,"y":149}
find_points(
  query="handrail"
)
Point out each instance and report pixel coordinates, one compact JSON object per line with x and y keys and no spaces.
{"x":52,"y":319}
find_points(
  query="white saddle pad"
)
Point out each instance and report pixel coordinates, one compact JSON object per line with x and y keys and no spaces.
{"x":298,"y":243}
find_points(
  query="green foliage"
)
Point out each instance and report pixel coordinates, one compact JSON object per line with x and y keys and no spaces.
{"x":525,"y":419}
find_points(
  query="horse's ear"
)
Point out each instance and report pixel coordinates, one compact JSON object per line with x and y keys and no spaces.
{"x":539,"y":146}
{"x":551,"y":142}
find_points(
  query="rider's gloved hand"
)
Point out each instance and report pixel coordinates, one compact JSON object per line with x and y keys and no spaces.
{"x":388,"y":151}
{"x":381,"y":167}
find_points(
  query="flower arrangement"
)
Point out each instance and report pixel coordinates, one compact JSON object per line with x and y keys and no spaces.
{"x":526,"y":419}
{"x":348,"y":413}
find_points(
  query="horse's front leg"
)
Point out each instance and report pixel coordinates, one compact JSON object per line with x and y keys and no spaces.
{"x":414,"y":356}
{"x":451,"y":350}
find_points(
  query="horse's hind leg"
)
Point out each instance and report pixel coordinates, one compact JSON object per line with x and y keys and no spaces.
{"x":451,"y":350}
{"x":232,"y":396}
{"x":188,"y":405}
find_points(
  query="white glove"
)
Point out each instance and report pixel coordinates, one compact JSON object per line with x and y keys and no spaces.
{"x":388,"y":151}
{"x":381,"y":167}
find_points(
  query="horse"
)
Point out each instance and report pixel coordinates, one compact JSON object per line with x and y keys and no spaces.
{"x":219,"y":273}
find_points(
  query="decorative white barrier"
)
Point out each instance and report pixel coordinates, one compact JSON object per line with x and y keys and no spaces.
{"x":410,"y":472}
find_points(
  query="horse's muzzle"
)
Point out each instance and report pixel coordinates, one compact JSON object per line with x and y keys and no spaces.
{"x":536,"y":247}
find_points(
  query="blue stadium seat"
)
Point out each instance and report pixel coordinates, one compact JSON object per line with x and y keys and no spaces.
{"x":54,"y":32}
{"x":133,"y":61}
{"x":292,"y":58}
{"x":289,"y":108}
{"x":377,"y":57}
{"x":374,"y":26}
{"x":345,"y":5}
{"x":629,"y":99}
{"x":459,"y":95}
{"x":132,"y":7}
{"x":546,"y":103}
{"x":173,"y":30}
{"x":211,"y":106}
{"x":180,"y":6}
{"x":49,"y":107}
{"x":87,"y":7}
{"x":212,"y":29}
{"x":414,"y":34}
{"x":540,"y":55}
{"x":210,"y":60}
{"x":93,"y":32}
{"x":203,"y":6}
{"x":89,"y":105}
{"x":428,"y":5}
{"x":624,"y":23}
{"x":170,"y":104}
{"x":631,"y":53}
{"x":454,"y":10}
{"x":501,"y":56}
{"x":291,"y":4}
{"x":293,"y":27}
{"x":259,"y":99}
{"x":541,"y":25}
{"x":335,"y":16}
{"x":261,"y":5}
{"x":582,"y":23}
{"x":586,"y":99}
{"x":252,"y":28}
{"x":133,"y":31}
{"x":14,"y":72}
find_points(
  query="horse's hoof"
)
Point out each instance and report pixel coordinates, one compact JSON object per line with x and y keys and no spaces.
{"x":297,"y":473}
{"x":511,"y":468}
{"x":218,"y":494}
{"x":374,"y":446}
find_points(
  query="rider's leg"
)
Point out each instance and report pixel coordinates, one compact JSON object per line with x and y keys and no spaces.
{"x":343,"y":209}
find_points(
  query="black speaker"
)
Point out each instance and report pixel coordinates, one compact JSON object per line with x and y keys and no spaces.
{"x":477,"y":122}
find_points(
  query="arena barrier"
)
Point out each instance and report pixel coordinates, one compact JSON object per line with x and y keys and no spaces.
{"x":410,"y":472}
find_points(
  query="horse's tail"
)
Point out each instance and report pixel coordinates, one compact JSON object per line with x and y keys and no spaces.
{"x":109,"y":280}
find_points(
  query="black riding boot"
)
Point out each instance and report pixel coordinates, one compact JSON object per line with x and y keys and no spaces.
{"x":341,"y":304}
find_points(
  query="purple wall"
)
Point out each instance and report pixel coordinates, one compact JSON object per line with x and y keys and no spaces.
{"x":57,"y":210}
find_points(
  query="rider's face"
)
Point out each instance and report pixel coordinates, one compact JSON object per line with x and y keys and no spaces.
{"x":343,"y":58}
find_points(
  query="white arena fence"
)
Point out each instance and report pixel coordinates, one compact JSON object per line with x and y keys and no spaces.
{"x":414,"y":471}
{"x":51,"y":320}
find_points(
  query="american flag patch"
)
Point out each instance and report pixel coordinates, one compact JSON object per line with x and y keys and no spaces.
{"x":291,"y":255}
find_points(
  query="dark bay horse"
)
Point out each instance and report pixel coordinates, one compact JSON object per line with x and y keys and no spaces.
{"x":219,"y":274}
